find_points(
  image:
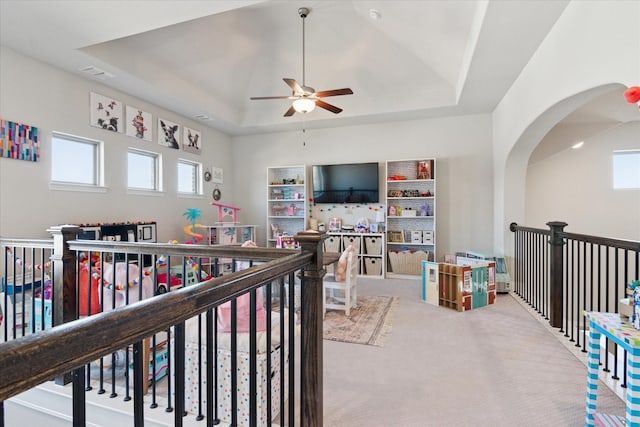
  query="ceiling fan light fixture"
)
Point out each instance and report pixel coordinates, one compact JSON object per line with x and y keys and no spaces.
{"x":305,"y":98}
{"x":304,"y":105}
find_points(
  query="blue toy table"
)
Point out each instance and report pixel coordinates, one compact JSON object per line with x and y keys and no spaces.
{"x":627,"y":337}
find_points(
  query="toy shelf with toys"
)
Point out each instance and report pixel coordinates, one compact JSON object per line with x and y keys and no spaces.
{"x":411,"y":215}
{"x":286,"y":203}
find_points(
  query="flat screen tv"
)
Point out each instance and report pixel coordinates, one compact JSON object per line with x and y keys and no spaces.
{"x":345,"y":183}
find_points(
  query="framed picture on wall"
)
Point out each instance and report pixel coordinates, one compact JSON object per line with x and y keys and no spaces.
{"x":168,"y":134}
{"x":191,"y":140}
{"x":139,"y":124}
{"x":106,"y":112}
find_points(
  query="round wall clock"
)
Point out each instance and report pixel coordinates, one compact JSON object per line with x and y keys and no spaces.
{"x":216,"y":194}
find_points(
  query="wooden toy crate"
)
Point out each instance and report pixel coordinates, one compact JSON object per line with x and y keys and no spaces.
{"x":464,"y":287}
{"x":454,"y":286}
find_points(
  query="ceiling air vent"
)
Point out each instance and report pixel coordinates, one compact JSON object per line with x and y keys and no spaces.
{"x":96,"y":73}
{"x":203,"y":117}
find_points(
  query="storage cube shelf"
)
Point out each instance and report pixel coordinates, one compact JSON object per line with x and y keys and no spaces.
{"x":286,"y":201}
{"x":369,"y":247}
{"x":411,"y":215}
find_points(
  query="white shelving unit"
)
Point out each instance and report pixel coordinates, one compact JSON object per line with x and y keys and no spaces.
{"x":369,"y":248}
{"x":411,"y":215}
{"x":286,"y":201}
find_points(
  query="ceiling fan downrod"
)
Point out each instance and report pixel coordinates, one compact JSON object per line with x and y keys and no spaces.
{"x":303,"y":12}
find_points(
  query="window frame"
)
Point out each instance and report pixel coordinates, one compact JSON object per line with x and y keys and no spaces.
{"x":97,"y":184}
{"x":624,"y":185}
{"x":157,"y":173}
{"x":198,"y":191}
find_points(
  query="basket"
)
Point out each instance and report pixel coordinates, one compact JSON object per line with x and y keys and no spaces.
{"x":407,"y":262}
{"x":373,"y":266}
{"x":332,"y":244}
{"x":373,"y":245}
{"x":351,"y":240}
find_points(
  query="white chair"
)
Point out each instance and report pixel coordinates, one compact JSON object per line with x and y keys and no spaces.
{"x":342,"y":295}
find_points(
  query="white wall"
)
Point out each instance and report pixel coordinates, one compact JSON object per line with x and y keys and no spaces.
{"x":593,"y":46}
{"x":39,"y":95}
{"x":461,"y":146}
{"x":576,"y":186}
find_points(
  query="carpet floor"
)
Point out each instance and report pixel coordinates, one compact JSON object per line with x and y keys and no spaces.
{"x":493,"y":366}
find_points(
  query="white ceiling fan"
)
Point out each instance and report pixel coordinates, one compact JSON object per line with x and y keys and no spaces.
{"x":305,"y":98}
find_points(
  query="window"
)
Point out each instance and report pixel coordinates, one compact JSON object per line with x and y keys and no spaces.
{"x":626,"y":169}
{"x":143,"y":171}
{"x":189,"y":177}
{"x":76,"y":160}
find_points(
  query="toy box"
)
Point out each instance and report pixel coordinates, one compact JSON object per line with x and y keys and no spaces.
{"x":464,"y":287}
{"x":223,"y":368}
{"x":195,"y":371}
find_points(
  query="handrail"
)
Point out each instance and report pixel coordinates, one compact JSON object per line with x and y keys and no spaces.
{"x":33,"y":359}
{"x":179,"y":249}
{"x":632,"y":245}
{"x":599,"y":240}
{"x":513,"y":227}
{"x":27,"y":243}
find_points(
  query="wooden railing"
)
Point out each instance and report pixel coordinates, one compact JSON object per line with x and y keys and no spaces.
{"x":562,"y":275}
{"x":32,"y":355}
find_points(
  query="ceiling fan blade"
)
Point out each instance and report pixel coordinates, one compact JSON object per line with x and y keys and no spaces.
{"x":329,"y":107}
{"x":293,"y":85}
{"x":334,"y":92}
{"x":269,"y":97}
{"x":290,"y":112}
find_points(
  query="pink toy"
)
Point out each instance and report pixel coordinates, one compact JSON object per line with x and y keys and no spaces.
{"x":243,"y":308}
{"x":225,"y":211}
{"x":119,"y":290}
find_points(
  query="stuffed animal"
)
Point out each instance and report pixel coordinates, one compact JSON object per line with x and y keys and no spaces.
{"x":633,"y":95}
{"x":341,"y":269}
{"x":118,"y":291}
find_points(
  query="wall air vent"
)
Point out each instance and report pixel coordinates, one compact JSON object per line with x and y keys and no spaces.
{"x":96,"y":73}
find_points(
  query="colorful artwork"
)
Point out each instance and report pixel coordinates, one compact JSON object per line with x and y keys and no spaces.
{"x":168,"y":134}
{"x":106,"y":113}
{"x":139,"y":124}
{"x":191,"y":141}
{"x":18,"y":141}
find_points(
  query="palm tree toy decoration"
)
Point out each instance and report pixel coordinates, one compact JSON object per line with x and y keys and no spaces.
{"x":193,"y":214}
